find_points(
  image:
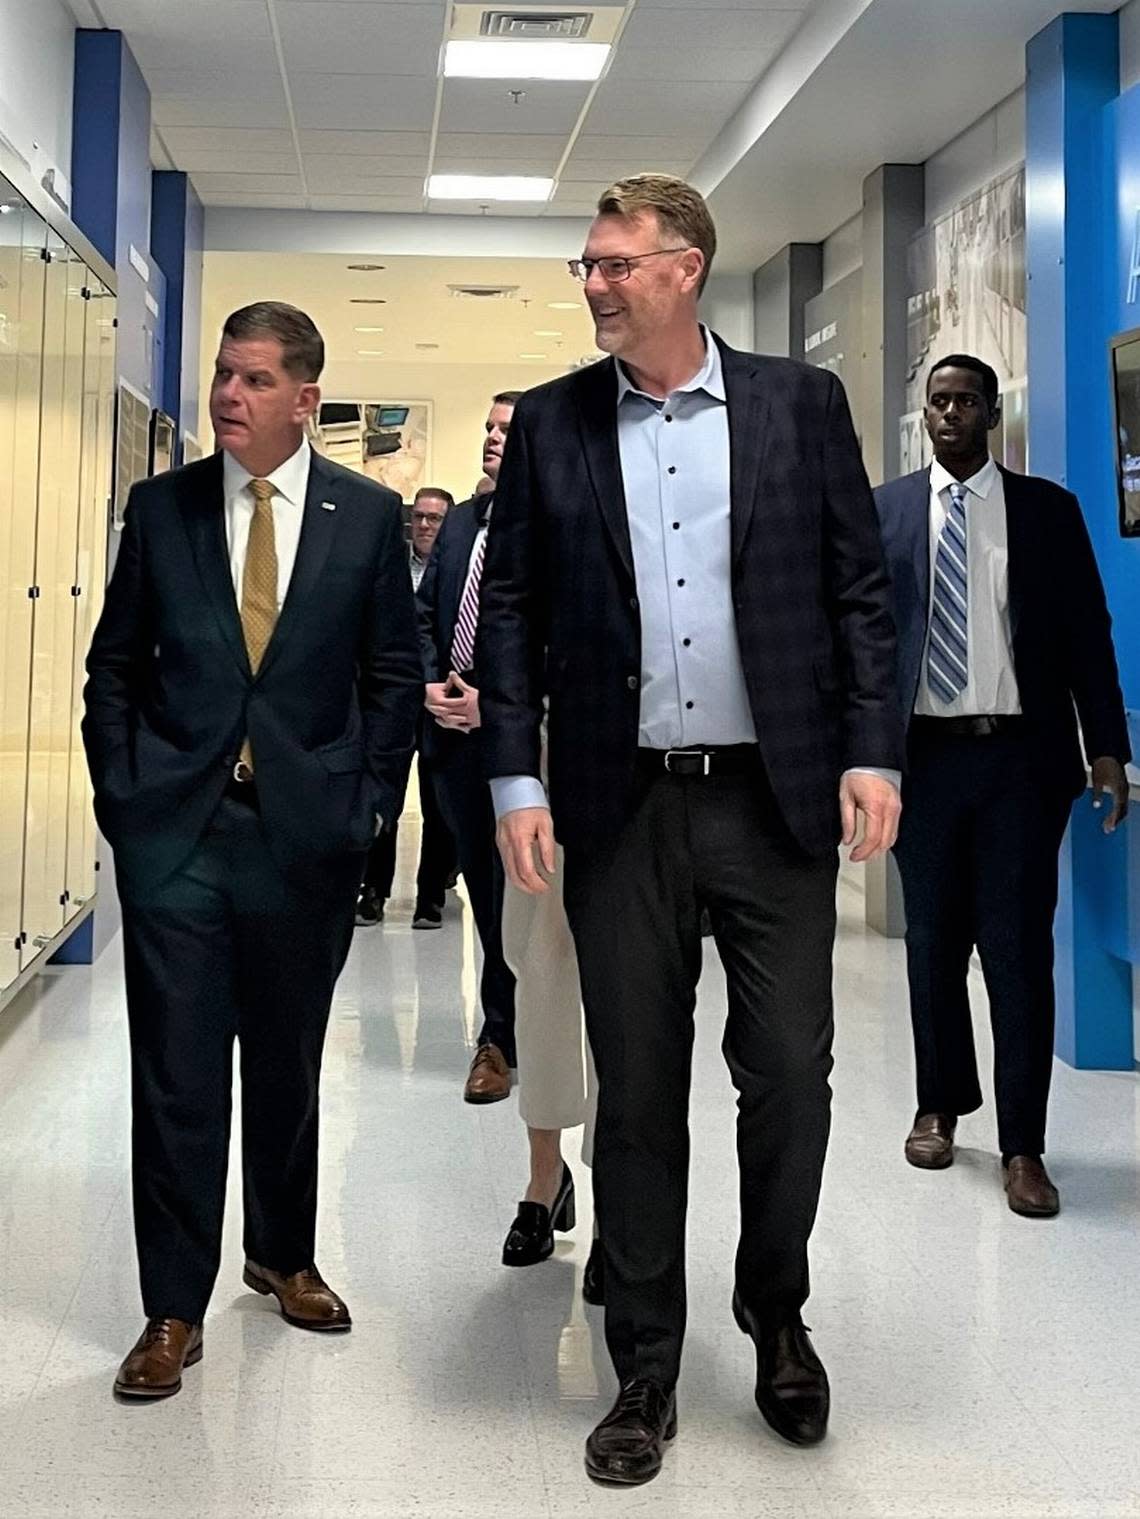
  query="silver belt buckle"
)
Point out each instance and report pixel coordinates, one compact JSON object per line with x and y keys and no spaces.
{"x":242,"y":773}
{"x":688,"y":754}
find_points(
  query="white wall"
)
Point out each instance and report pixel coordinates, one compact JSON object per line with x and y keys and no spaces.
{"x":460,"y":395}
{"x":727,"y":307}
{"x":37,"y":67}
{"x":843,"y":251}
{"x":989,"y":148}
{"x":1130,"y":51}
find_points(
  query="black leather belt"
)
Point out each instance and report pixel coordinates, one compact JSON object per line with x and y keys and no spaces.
{"x":980,"y":726}
{"x":732,"y":759}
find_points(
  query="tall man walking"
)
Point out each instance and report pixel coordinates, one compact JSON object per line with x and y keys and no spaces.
{"x":685,"y":557}
{"x":253,"y":691}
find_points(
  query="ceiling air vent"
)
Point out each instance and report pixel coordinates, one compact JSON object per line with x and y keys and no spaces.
{"x":483,"y":292}
{"x":550,"y":26}
{"x":427,"y":347}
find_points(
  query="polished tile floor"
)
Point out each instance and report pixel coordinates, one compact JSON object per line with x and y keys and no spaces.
{"x":981,"y":1365}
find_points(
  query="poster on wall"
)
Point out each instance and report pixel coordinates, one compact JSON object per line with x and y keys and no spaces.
{"x":389,"y":441}
{"x":833,"y":337}
{"x":968,"y":295}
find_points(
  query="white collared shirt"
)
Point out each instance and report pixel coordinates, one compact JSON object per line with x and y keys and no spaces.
{"x":291,"y":482}
{"x":991,"y":689}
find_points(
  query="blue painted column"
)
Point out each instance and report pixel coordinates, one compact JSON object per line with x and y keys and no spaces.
{"x":1073,"y":75}
{"x":177,"y":236}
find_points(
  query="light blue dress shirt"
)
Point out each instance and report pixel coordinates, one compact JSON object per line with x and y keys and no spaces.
{"x":675,"y":464}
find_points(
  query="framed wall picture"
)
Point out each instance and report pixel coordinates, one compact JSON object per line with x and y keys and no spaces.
{"x":132,"y":446}
{"x":389,"y":441}
{"x":1124,"y":352}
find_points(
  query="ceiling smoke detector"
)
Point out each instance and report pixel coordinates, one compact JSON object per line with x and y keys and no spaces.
{"x":483,"y":292}
{"x":553,"y":26}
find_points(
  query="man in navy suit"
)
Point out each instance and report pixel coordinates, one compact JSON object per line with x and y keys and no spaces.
{"x":685,"y":559}
{"x":1003,"y":630}
{"x":448,"y":602}
{"x":253,"y":692}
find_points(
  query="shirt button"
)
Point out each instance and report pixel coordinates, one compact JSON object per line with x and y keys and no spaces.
{"x":668,"y":417}
{"x":686,"y":642}
{"x":633,"y":602}
{"x":672,"y":469}
{"x":680,"y":582}
{"x":632,"y":682}
{"x":689,"y":705}
{"x":676,"y":525}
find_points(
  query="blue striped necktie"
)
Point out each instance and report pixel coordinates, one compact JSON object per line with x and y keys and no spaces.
{"x":947,"y":659}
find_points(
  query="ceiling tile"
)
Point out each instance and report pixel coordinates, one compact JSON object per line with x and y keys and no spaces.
{"x":602,"y":145}
{"x":246,"y":90}
{"x":357,"y":182}
{"x":362,"y":101}
{"x":191,"y":110}
{"x":641,"y":106}
{"x":744,"y":65}
{"x":259,"y":184}
{"x":236,"y":141}
{"x":474,"y":163}
{"x":492,"y":146}
{"x":682,"y":32}
{"x":337,"y":168}
{"x":200,"y":162}
{"x":262,"y":201}
{"x":366,"y":203}
{"x":365,"y":144}
{"x":484,"y":105}
{"x":325,"y":36}
{"x":224,"y":34}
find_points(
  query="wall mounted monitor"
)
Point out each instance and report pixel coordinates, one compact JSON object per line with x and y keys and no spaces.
{"x":1125,"y":351}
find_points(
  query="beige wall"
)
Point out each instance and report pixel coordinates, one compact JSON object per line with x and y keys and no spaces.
{"x":460,"y":395}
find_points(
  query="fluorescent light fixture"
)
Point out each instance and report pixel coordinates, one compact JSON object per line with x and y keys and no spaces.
{"x":541,"y":332}
{"x":370,"y":353}
{"x":564,"y":305}
{"x":524,"y":58}
{"x":489,"y":187}
{"x":368,"y":329}
{"x":532,"y":355}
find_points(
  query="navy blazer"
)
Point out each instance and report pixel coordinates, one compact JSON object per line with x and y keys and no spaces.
{"x":331,"y":712}
{"x":1061,"y":630}
{"x":559,"y":608}
{"x":437,"y":610}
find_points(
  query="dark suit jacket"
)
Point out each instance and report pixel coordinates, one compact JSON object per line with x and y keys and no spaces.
{"x":437,"y":609}
{"x":559,"y":608}
{"x":170,"y":695}
{"x":1062,"y":638}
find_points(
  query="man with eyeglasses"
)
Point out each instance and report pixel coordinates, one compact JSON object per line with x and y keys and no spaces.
{"x":437,"y":848}
{"x":686,"y":562}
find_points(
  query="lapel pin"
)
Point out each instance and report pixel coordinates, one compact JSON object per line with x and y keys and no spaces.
{"x":328,"y":506}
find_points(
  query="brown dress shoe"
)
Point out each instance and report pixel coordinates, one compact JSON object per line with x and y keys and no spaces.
{"x":306,"y":1299}
{"x":154,"y":1367}
{"x":489,"y":1079}
{"x":1029,"y":1189}
{"x":930,"y":1144}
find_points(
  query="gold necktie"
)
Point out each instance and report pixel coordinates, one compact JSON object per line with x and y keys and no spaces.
{"x":259,"y":584}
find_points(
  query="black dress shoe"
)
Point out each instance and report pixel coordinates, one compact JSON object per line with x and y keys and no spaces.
{"x":628,"y":1446}
{"x":369,"y":908}
{"x":594,"y":1276}
{"x":427,"y":915}
{"x":792,"y":1391}
{"x":531,"y":1236}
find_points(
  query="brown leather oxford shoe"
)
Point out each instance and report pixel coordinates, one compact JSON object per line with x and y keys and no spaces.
{"x":930,"y":1143}
{"x":154,"y":1367}
{"x":306,"y":1298}
{"x":489,"y":1079}
{"x":1028,"y":1188}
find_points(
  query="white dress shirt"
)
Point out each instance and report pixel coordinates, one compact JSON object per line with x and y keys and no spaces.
{"x":991,"y":689}
{"x":291,"y":482}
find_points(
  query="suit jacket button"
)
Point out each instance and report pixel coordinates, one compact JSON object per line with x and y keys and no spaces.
{"x":632,"y":682}
{"x":633,"y":602}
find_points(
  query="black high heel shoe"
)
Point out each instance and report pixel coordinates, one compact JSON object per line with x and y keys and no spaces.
{"x":531,"y":1236}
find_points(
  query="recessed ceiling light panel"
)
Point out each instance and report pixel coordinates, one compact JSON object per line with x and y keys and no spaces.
{"x":524,"y":58}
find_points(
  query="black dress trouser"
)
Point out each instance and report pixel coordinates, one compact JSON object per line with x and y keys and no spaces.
{"x":464,"y":797}
{"x":981,"y":828}
{"x":635,"y":911}
{"x":227,"y":947}
{"x":437,"y":852}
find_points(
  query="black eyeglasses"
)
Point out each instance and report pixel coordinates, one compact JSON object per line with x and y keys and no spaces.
{"x":427,"y":519}
{"x":613,"y":270}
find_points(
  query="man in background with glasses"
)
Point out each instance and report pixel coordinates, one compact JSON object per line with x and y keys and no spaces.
{"x":686,"y":561}
{"x":437,"y":848}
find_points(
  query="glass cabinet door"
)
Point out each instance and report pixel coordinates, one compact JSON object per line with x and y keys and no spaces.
{"x":53,"y":627}
{"x":90,"y":570}
{"x":22,"y":271}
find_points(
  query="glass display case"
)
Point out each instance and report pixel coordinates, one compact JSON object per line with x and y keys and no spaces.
{"x":57,"y":344}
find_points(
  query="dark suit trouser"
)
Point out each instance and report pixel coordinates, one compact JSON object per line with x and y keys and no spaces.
{"x":977,"y":851}
{"x":635,"y":909}
{"x":437,"y":851}
{"x":465,"y":802}
{"x":227,"y":948}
